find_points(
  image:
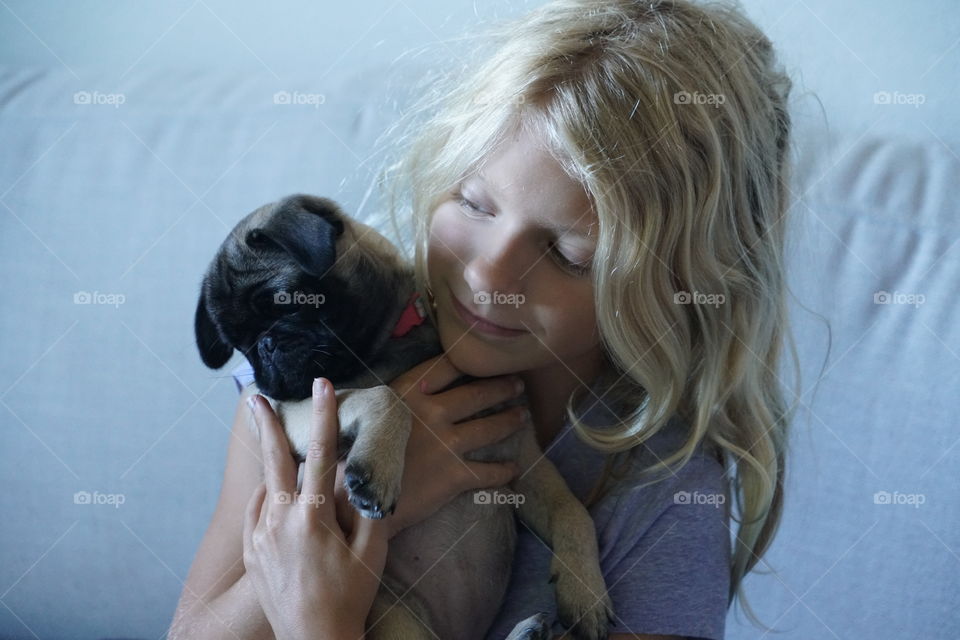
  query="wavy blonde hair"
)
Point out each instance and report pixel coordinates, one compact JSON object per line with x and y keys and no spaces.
{"x":673,"y":115}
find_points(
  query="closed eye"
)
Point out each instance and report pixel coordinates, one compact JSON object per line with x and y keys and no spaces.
{"x":571,"y":267}
{"x":468,"y":206}
{"x":577,"y":269}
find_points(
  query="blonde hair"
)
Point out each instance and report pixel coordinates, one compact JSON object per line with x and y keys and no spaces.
{"x":673,"y":114}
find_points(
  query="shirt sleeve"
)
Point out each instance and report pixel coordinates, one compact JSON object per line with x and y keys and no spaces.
{"x":242,"y":375}
{"x":674,"y":578}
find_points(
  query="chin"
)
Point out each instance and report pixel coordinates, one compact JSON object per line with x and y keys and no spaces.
{"x":475,"y":358}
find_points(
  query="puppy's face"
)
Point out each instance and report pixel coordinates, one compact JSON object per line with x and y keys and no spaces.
{"x":302,"y":291}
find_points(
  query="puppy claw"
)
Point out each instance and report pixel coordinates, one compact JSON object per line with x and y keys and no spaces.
{"x":367,"y":493}
{"x":366,"y":509}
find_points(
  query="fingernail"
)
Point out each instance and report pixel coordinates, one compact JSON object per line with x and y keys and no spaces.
{"x":318,"y":386}
{"x":251,"y":402}
{"x":518,"y":385}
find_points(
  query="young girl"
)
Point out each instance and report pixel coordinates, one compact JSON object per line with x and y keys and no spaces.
{"x":599,"y":213}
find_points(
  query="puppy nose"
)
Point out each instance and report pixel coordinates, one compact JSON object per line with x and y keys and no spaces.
{"x":267,"y":344}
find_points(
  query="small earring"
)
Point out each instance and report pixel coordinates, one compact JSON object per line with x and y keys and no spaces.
{"x":431,"y":299}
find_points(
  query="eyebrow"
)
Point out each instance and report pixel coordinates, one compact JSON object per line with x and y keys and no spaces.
{"x":577,"y":230}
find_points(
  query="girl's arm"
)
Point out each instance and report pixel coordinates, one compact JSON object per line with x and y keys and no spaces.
{"x":236,"y":613}
{"x":217,"y":601}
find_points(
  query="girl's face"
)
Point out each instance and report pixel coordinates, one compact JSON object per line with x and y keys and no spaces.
{"x":506,"y":259}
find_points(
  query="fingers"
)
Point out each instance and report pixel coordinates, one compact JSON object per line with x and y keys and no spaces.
{"x":488,"y":430}
{"x":369,"y":539}
{"x":429,"y":376}
{"x":466,"y":400}
{"x":252,"y":515}
{"x":320,"y":465}
{"x":279,"y":472}
{"x":488,"y":475}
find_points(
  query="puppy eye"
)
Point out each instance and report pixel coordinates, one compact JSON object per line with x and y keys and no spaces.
{"x":273,"y":304}
{"x":256,"y":240}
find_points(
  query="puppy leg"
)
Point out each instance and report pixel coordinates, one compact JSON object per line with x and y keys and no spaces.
{"x":559,"y":519}
{"x":375,"y":462}
{"x":374,"y":427}
{"x":297,"y":419}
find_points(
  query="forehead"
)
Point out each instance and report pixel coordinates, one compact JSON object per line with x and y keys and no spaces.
{"x":523,"y":176}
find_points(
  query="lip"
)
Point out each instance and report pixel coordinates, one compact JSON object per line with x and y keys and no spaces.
{"x":477,"y":323}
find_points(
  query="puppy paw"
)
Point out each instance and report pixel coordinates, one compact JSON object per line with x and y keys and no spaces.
{"x":369,"y":489}
{"x":583,"y":605}
{"x":533,"y":628}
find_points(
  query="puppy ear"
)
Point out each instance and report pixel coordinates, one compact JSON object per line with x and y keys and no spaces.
{"x":306,"y":227}
{"x":213,"y":350}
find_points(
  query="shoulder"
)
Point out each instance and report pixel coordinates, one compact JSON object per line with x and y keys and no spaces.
{"x":642,"y":493}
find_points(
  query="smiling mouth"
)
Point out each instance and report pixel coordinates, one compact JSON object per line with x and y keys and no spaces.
{"x":477,"y":323}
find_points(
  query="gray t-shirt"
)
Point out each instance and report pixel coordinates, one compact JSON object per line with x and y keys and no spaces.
{"x":664,"y":548}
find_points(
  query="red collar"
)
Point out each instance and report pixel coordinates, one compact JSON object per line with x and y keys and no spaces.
{"x":413,"y":315}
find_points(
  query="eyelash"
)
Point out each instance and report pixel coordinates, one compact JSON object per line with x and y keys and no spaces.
{"x":573,"y":268}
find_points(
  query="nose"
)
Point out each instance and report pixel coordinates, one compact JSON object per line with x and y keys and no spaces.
{"x":497,"y":267}
{"x":267,"y":344}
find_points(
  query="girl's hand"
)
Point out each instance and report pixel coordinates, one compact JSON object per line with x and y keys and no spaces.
{"x":311,"y":579}
{"x":434,"y":468}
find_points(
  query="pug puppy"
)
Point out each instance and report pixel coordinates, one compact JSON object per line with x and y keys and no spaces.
{"x":304,"y":291}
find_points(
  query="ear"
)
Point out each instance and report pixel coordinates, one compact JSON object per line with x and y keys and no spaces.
{"x":213,"y":350}
{"x":306,"y":227}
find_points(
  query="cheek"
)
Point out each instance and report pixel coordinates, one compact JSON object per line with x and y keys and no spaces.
{"x":449,"y":240}
{"x":572,"y":320}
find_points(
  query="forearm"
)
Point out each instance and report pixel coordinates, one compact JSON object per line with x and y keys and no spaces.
{"x":236,"y":614}
{"x":233,"y":615}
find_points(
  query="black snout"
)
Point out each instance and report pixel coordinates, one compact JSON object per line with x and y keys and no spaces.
{"x":268,"y":344}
